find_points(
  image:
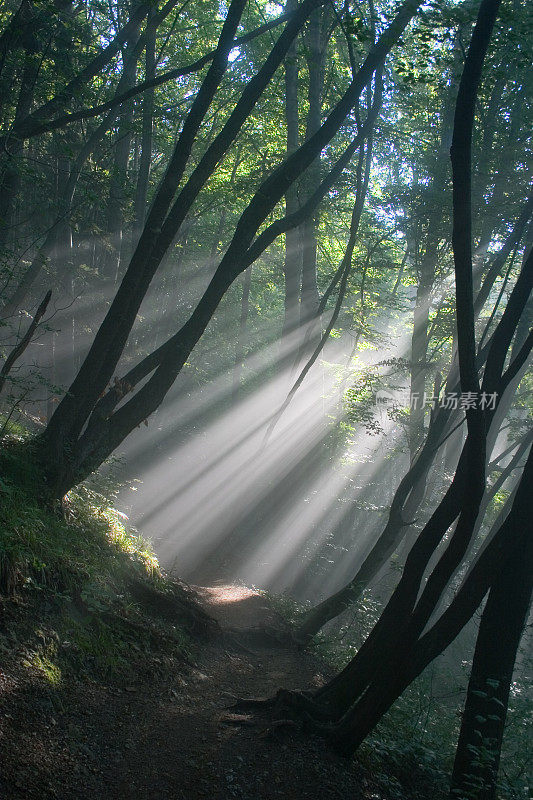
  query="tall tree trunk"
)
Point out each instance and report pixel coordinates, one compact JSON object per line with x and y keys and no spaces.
{"x":117,"y":189}
{"x":419,"y":345}
{"x":141,"y":192}
{"x":10,"y":176}
{"x":292,"y":266}
{"x":502,"y":623}
{"x":241,"y":337}
{"x":376,"y":680}
{"x":316,"y":40}
{"x":358,"y":697}
{"x":427,"y":266}
{"x":411,"y":490}
{"x":64,"y":267}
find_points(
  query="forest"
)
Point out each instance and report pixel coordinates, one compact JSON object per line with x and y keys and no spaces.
{"x":266,"y":275}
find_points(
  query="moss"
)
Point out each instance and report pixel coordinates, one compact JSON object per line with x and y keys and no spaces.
{"x":48,"y":669}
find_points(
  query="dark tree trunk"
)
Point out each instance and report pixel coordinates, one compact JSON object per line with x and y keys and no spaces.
{"x":117,"y":188}
{"x":141,"y":192}
{"x":25,"y":340}
{"x":480,"y":740}
{"x":410,"y":492}
{"x":10,"y":177}
{"x":241,"y":336}
{"x":379,"y":678}
{"x":359,"y":696}
{"x":292,"y":266}
{"x":316,"y":39}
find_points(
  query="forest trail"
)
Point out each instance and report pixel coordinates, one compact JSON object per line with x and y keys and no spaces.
{"x":166,"y":738}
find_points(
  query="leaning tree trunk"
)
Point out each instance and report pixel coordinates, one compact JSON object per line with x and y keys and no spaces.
{"x":507,"y":545}
{"x":81,"y":434}
{"x":375,"y":678}
{"x":480,"y":740}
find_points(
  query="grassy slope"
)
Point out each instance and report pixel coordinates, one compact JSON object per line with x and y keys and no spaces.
{"x":80,"y":593}
{"x":86,"y":617}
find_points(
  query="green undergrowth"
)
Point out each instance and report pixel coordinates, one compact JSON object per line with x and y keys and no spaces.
{"x":73,"y":583}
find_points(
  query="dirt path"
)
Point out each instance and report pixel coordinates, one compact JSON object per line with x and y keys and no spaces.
{"x":166,"y":740}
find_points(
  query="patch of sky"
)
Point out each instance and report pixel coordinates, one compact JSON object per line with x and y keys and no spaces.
{"x":273,"y":9}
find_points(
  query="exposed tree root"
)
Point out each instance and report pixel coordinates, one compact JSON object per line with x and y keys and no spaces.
{"x":295,"y":709}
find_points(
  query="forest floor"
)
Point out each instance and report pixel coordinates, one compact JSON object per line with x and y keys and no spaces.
{"x":169,"y":735}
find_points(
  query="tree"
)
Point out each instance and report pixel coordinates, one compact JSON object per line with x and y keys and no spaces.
{"x":84,"y":429}
{"x":398,"y":648}
{"x":504,"y":616}
{"x":426,"y":443}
